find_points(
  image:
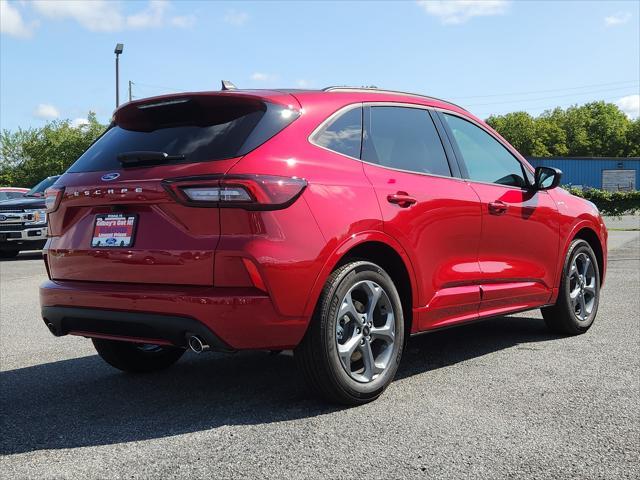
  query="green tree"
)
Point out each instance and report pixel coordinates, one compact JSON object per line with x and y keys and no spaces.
{"x":597,"y":129}
{"x":633,"y":139}
{"x":520,"y":130}
{"x":28,"y":156}
{"x":552,"y":138}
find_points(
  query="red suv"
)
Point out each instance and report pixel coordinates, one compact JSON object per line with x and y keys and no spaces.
{"x":336,"y":223}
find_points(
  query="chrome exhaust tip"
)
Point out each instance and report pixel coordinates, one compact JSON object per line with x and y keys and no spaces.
{"x":197,"y":345}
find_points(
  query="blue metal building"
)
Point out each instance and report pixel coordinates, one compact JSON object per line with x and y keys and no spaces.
{"x":608,"y":173}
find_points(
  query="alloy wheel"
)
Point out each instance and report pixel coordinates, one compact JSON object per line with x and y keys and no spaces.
{"x":365,"y":331}
{"x":583,"y":288}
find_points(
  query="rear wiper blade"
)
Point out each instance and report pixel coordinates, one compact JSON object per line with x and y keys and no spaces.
{"x":147,"y":158}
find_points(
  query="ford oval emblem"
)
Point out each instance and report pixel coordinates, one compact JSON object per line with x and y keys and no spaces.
{"x":110,"y":176}
{"x":3,"y":218}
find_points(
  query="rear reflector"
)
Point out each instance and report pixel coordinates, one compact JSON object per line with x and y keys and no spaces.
{"x":254,"y":274}
{"x":251,"y":192}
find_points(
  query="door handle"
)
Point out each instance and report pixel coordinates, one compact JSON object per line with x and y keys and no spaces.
{"x":497,"y":207}
{"x":402,"y":199}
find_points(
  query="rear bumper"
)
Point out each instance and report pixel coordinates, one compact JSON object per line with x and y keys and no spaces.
{"x":153,"y":328}
{"x":228,"y":318}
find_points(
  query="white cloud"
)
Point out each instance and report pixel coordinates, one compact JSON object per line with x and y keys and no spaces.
{"x":79,"y":122}
{"x":263,"y":77}
{"x":453,"y":12}
{"x":630,"y":105}
{"x":152,"y":16}
{"x":107,"y":16}
{"x":183,"y":21}
{"x":98,"y":16}
{"x":236,"y":18}
{"x":303,"y":83}
{"x":46,"y":111}
{"x":617,"y":19}
{"x":11,"y":22}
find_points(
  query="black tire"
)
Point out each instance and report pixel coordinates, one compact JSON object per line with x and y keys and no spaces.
{"x":136,"y":358}
{"x":565,"y":317}
{"x":317,"y":355}
{"x":9,"y":253}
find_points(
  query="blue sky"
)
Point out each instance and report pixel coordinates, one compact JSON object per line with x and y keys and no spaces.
{"x":492,"y":56}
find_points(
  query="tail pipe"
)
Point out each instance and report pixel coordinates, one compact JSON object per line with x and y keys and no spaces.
{"x":197,"y":344}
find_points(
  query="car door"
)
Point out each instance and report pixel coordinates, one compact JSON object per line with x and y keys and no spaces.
{"x":520,"y":227}
{"x":434,"y":215}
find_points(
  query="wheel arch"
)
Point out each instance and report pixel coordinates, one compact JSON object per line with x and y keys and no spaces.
{"x":591,"y":237}
{"x":391,"y":262}
{"x":382,"y":250}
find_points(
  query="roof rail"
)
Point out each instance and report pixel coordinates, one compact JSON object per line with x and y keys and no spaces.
{"x":380,"y":90}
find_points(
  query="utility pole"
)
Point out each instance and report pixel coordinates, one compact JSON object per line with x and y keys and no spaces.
{"x":130,"y":96}
{"x":118,"y":51}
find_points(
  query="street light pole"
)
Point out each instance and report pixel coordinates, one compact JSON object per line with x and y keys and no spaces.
{"x":118,"y":51}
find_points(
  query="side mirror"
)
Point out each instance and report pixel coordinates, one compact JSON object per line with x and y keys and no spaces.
{"x":547,"y":178}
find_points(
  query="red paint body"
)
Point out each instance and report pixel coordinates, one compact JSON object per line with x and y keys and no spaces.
{"x":254,"y":277}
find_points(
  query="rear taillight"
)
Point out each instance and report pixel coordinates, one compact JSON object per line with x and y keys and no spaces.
{"x":252,"y":192}
{"x":216,"y":194}
{"x":52,"y":198}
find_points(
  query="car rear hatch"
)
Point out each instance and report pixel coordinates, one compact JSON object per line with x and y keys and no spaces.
{"x":115,"y":216}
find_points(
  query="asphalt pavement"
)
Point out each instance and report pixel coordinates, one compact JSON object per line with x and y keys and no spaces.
{"x":497,"y":399}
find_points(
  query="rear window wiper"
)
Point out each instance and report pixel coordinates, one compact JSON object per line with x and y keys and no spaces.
{"x":130,"y":159}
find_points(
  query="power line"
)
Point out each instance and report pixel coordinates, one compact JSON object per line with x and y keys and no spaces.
{"x":547,"y":91}
{"x":546,"y":97}
{"x":538,"y":107}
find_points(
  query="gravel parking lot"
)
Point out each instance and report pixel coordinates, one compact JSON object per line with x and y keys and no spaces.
{"x":501,"y":398}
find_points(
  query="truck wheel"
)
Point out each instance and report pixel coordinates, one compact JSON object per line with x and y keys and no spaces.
{"x":353,"y":346}
{"x":577,"y":304}
{"x":9,"y":253}
{"x":136,"y":357}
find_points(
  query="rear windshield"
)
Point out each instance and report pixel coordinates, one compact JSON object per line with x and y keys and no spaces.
{"x":200,"y":129}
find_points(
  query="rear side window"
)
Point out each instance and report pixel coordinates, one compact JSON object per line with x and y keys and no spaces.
{"x":343,"y":134}
{"x":486,"y":159}
{"x":200,"y":129}
{"x":404,"y":138}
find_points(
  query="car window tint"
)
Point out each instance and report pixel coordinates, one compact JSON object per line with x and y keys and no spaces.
{"x":343,"y":134}
{"x":487,"y":160}
{"x":200,"y":128}
{"x":404,"y":138}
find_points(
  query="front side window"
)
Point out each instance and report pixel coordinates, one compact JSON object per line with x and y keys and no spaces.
{"x":343,"y":134}
{"x":486,"y":159}
{"x":404,"y":138}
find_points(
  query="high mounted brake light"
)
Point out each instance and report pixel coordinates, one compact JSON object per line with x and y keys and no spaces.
{"x":251,"y":192}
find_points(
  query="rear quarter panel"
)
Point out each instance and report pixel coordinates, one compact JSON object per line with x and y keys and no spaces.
{"x":340,"y":206}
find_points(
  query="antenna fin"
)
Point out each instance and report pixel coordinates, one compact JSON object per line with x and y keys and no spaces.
{"x":227,"y":85}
